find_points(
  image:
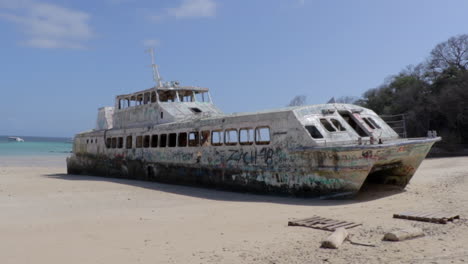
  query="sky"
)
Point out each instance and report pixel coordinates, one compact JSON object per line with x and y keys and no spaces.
{"x":62,"y":59}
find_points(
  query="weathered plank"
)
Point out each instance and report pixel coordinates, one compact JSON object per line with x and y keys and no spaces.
{"x":322,"y":223}
{"x":433,"y":217}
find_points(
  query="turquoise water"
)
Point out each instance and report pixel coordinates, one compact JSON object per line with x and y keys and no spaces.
{"x":35,"y":146}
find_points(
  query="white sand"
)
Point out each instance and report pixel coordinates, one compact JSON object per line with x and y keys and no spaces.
{"x":49,"y":217}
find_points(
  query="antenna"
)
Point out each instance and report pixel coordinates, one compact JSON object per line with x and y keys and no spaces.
{"x":156,"y":77}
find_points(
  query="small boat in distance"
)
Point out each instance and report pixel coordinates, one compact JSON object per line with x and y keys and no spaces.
{"x":17,"y":139}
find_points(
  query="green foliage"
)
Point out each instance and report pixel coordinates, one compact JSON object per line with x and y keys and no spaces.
{"x":433,"y":95}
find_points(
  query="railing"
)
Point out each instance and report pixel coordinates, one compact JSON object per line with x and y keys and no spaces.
{"x":397,"y":122}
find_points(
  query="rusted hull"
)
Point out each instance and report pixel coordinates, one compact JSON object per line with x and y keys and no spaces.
{"x":303,"y":172}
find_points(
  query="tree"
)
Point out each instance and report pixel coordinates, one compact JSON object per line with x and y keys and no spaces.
{"x":451,"y":53}
{"x":298,"y":100}
{"x":432,"y":95}
{"x":347,"y":99}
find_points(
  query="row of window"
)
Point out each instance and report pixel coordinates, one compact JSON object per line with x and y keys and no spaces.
{"x":230,"y":137}
{"x":164,"y":96}
{"x":93,"y":140}
{"x":333,"y":125}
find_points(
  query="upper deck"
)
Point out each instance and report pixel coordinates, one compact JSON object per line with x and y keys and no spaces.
{"x":158,"y":105}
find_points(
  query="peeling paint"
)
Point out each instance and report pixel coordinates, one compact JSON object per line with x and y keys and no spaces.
{"x":311,"y":150}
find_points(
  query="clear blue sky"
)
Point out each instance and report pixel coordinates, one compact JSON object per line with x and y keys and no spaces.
{"x":61,"y":60}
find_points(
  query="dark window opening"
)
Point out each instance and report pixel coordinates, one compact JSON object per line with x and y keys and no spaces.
{"x":194,"y":139}
{"x":349,"y":119}
{"x":195,"y":110}
{"x":262,"y":135}
{"x":167,"y":96}
{"x":182,"y":139}
{"x":129,"y":142}
{"x":338,"y":125}
{"x":114,"y":142}
{"x":163,"y":140}
{"x":120,"y":142}
{"x":373,"y":122}
{"x":108,"y":142}
{"x":314,"y":132}
{"x":146,"y":141}
{"x":154,"y":141}
{"x":327,"y":125}
{"x":87,"y":141}
{"x":139,"y":141}
{"x":368,"y":123}
{"x":162,"y":115}
{"x":205,"y":138}
{"x":146,"y":98}
{"x":172,"y":140}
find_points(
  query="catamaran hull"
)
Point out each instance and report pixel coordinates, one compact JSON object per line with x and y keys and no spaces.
{"x":302,"y":172}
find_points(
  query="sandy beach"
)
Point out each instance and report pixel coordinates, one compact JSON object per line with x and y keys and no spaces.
{"x":47,"y":216}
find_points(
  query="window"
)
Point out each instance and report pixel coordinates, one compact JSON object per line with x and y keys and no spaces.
{"x":193,"y":140}
{"x":162,"y":115}
{"x":195,"y":110}
{"x":128,"y":142}
{"x":95,"y":141}
{"x":172,"y":140}
{"x":350,"y":120}
{"x":338,"y":125}
{"x":153,"y":97}
{"x":120,"y":142}
{"x":182,"y":139}
{"x":262,"y":135}
{"x":202,"y":97}
{"x":163,"y":140}
{"x":87,"y":141}
{"x":314,"y":132}
{"x":114,"y":142}
{"x":230,"y":137}
{"x":327,"y":125}
{"x":246,"y":136}
{"x":154,"y":141}
{"x":146,"y":141}
{"x":124,"y":103}
{"x":108,"y":142}
{"x":167,"y":96}
{"x":368,"y":123}
{"x":146,"y":98}
{"x":216,"y":138}
{"x":139,"y":141}
{"x":139,"y":99}
{"x":373,"y":122}
{"x":186,"y":96}
{"x":204,"y":138}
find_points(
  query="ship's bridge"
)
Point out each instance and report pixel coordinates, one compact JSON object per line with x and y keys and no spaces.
{"x":162,"y":104}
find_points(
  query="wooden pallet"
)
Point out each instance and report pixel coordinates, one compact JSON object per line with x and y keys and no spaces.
{"x":322,"y":223}
{"x":432,"y":217}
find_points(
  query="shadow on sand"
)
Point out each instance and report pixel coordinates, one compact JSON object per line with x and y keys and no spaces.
{"x":368,"y":192}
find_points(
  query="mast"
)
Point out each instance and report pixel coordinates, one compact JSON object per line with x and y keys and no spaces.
{"x":156,"y":77}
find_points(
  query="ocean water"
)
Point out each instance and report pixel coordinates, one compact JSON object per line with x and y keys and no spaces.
{"x":35,"y":146}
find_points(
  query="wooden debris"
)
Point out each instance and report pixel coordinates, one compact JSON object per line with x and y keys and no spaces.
{"x":433,"y":217}
{"x":322,"y":223}
{"x":404,"y":234}
{"x":336,"y":239}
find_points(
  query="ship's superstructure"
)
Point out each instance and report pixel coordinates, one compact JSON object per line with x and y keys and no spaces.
{"x":172,"y":133}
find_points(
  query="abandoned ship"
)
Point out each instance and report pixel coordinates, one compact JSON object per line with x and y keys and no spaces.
{"x":175,"y":134}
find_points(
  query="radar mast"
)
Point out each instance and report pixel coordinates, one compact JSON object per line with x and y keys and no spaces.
{"x":156,"y":77}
